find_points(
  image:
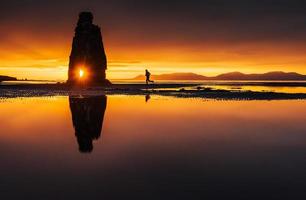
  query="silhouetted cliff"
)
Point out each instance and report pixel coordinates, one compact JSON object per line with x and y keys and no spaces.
{"x":7,"y":78}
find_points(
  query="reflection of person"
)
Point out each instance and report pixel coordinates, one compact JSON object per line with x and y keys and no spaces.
{"x":148,"y":97}
{"x":87,"y":117}
{"x":148,"y":74}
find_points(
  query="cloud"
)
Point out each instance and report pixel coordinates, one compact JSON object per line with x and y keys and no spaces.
{"x":168,"y":21}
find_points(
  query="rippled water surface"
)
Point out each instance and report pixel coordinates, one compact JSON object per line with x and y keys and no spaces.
{"x":151,"y":147}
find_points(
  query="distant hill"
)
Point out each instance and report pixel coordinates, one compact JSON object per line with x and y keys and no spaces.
{"x":7,"y":78}
{"x":228,"y":76}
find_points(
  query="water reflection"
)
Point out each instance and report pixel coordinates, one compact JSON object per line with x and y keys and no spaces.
{"x":87,"y":117}
{"x":169,"y":148}
{"x":147,"y":98}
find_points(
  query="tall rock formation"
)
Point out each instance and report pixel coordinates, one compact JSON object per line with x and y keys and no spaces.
{"x":88,"y":62}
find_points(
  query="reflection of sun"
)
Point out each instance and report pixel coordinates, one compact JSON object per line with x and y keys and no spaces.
{"x":81,"y":73}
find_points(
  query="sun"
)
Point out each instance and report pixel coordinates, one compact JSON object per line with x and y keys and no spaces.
{"x":81,"y":73}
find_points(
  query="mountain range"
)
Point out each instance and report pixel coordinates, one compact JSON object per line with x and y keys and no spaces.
{"x":277,"y":75}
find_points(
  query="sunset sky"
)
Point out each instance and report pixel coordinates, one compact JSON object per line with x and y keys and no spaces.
{"x":205,"y":37}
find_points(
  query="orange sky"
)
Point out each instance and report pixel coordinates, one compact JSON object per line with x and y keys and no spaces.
{"x":36,"y":45}
{"x":50,"y":63}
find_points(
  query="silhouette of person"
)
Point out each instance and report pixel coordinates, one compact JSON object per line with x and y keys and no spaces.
{"x":87,"y":118}
{"x":148,"y":74}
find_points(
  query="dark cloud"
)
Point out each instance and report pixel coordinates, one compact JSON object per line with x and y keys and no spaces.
{"x":165,"y":22}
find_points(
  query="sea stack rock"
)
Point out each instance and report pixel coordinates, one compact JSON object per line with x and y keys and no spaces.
{"x":88,"y":62}
{"x":87,"y":117}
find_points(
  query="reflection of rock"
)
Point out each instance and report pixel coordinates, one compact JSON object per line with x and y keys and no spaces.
{"x":87,"y":117}
{"x":87,"y":52}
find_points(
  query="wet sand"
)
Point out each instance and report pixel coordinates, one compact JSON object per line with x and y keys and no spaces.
{"x":174,"y":90}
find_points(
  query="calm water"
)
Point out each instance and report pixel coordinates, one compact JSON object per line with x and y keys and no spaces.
{"x":151,"y":148}
{"x":254,"y":88}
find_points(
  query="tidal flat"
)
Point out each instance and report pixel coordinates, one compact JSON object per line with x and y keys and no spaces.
{"x":224,"y":91}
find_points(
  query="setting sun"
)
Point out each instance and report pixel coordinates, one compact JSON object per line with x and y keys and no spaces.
{"x":81,"y":73}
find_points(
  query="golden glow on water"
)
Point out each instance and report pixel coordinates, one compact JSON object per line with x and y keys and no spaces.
{"x":34,"y":118}
{"x":282,"y":89}
{"x":131,"y":125}
{"x":28,"y":118}
{"x":143,"y":139}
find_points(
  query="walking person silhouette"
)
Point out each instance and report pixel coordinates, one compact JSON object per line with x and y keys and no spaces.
{"x":148,"y":74}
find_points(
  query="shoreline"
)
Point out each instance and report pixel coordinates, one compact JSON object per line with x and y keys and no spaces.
{"x":171,"y":90}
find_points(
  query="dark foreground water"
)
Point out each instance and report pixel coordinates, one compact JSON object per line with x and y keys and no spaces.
{"x":142,"y":147}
